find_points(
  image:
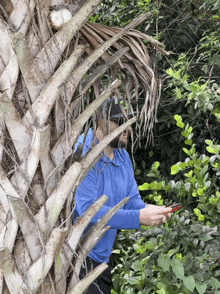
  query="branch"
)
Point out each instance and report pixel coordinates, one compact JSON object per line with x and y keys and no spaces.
{"x":40,"y":268}
{"x":84,"y":283}
{"x":65,"y":257}
{"x":1,"y":282}
{"x":9,"y":76}
{"x":44,"y":103}
{"x":75,"y":276}
{"x":49,"y":56}
{"x":48,"y":213}
{"x":2,"y":136}
{"x":23,"y":176}
{"x":12,"y":277}
{"x":83,"y":221}
{"x":21,"y":15}
{"x":19,"y":133}
{"x":101,"y":69}
{"x":48,"y":166}
{"x":32,"y":76}
{"x":42,"y":14}
{"x":8,"y":235}
{"x":30,"y":231}
{"x":92,"y":238}
{"x":93,"y":232}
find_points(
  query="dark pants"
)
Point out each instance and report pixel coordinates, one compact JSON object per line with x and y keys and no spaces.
{"x":102,"y":285}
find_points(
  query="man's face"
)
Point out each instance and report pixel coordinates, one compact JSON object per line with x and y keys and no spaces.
{"x":121,"y":140}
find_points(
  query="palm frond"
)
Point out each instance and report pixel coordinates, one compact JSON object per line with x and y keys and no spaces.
{"x":139,"y":81}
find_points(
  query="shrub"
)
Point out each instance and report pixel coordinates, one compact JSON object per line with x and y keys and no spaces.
{"x":180,"y":258}
{"x":183,"y":255}
{"x":195,"y":180}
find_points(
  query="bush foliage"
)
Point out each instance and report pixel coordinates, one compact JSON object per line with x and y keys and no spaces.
{"x":183,"y":256}
{"x":180,"y":258}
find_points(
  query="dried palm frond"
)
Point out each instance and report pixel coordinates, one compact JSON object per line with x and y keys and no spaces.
{"x":139,"y":81}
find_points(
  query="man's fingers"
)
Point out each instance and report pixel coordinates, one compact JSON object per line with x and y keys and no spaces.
{"x":164,"y":209}
{"x":167,"y":211}
{"x":157,"y":209}
{"x":153,"y":215}
{"x":158,"y":217}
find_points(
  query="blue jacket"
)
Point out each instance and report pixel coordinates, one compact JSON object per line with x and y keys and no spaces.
{"x":116,"y":180}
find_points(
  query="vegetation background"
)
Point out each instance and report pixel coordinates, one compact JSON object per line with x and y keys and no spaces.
{"x":183,"y":163}
{"x":52,"y":83}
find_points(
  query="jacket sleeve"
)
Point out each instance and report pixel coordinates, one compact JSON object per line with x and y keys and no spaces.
{"x":87,"y":194}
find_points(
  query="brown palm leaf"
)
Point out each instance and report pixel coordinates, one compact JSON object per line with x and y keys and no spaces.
{"x":139,"y":81}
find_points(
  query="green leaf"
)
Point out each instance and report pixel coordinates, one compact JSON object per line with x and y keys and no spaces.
{"x":153,"y":185}
{"x":190,"y":129}
{"x":178,"y":118}
{"x":201,"y":218}
{"x":137,"y":265}
{"x":161,"y":285}
{"x":178,"y":93}
{"x":213,"y":201}
{"x":164,"y":262}
{"x":180,"y":124}
{"x":133,"y":280}
{"x":151,"y":175}
{"x":150,"y":153}
{"x":201,"y":288}
{"x":156,"y":165}
{"x":144,"y":187}
{"x":177,"y":268}
{"x":174,"y":169}
{"x":214,"y":283}
{"x":185,"y":134}
{"x":188,"y":142}
{"x":137,"y":172}
{"x":177,"y":74}
{"x":189,"y":283}
{"x":190,"y":163}
{"x":116,"y":251}
{"x":148,"y":272}
{"x":161,"y":291}
{"x":184,"y":78}
{"x":197,"y":212}
{"x":208,"y":142}
{"x":150,"y":245}
{"x":170,"y":72}
{"x":210,"y":150}
{"x":200,"y":192}
{"x":186,"y":151}
{"x":182,"y":165}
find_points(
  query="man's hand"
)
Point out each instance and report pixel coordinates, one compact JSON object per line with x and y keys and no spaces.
{"x":153,"y":215}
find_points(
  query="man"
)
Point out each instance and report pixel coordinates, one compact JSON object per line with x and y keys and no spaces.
{"x":112,"y":175}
